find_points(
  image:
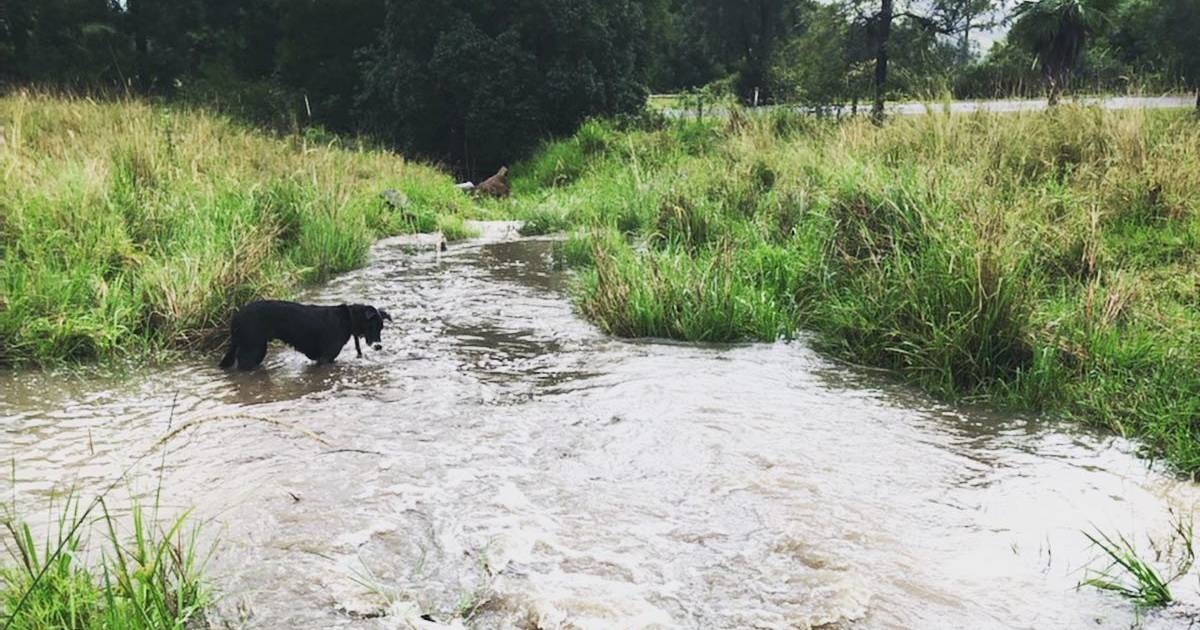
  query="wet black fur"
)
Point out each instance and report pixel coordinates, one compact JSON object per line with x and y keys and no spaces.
{"x":319,"y":332}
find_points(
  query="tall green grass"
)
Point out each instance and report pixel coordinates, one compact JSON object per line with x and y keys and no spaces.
{"x":127,"y":227}
{"x":1043,"y":261}
{"x":131,"y":574}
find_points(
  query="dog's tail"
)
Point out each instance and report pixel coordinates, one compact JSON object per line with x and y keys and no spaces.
{"x":227,"y":362}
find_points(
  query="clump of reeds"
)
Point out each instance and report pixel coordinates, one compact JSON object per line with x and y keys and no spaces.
{"x":135,"y":573}
{"x":1132,"y":575}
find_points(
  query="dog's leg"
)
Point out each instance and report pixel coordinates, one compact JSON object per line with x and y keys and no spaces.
{"x":356,"y":348}
{"x":250,"y":358}
{"x":227,"y":361}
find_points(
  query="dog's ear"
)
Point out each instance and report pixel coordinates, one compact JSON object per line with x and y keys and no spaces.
{"x":372,"y":313}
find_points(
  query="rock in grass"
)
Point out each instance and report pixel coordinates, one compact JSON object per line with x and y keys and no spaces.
{"x":395,"y":198}
{"x":496,"y":185}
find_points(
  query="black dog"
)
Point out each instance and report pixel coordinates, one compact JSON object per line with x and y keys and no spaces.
{"x":317,"y":331}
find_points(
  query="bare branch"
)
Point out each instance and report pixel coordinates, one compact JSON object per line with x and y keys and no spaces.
{"x":928,"y":23}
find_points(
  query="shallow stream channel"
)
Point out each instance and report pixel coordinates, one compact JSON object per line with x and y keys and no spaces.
{"x":503,"y":464}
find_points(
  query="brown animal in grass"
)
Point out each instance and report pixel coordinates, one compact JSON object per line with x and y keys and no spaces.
{"x":496,"y":185}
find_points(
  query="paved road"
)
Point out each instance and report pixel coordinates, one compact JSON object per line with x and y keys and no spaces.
{"x":1005,"y":105}
{"x":1024,"y":105}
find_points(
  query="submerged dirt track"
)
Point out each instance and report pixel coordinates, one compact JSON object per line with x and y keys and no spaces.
{"x":501,"y":460}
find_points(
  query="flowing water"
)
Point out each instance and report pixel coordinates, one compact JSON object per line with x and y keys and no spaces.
{"x":502,"y":461}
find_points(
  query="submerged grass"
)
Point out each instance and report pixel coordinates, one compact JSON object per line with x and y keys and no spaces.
{"x":127,"y":227}
{"x":1041,"y":260}
{"x":1128,"y":574}
{"x":148,"y":577}
{"x":1133,"y":576}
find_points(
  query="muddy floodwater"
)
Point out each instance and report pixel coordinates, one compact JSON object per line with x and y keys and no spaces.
{"x":502,"y":461}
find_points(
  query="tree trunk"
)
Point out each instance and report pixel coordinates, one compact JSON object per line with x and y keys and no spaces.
{"x":964,"y":46}
{"x":1198,"y":99}
{"x":762,"y":52}
{"x":137,"y":15}
{"x":1053,"y":90}
{"x":883,"y":32}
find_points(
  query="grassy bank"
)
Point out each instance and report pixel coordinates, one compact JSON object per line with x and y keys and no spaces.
{"x":130,"y":573}
{"x":129,"y":228}
{"x":1043,"y":261}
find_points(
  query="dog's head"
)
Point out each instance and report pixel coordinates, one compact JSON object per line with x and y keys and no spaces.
{"x":367,"y":322}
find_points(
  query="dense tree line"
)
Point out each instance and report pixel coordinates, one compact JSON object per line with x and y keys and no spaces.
{"x":475,"y":83}
{"x":471,"y":83}
{"x":837,"y":53}
{"x":470,"y":80}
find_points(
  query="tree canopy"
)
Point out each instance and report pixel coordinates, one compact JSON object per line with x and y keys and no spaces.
{"x":469,"y":81}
